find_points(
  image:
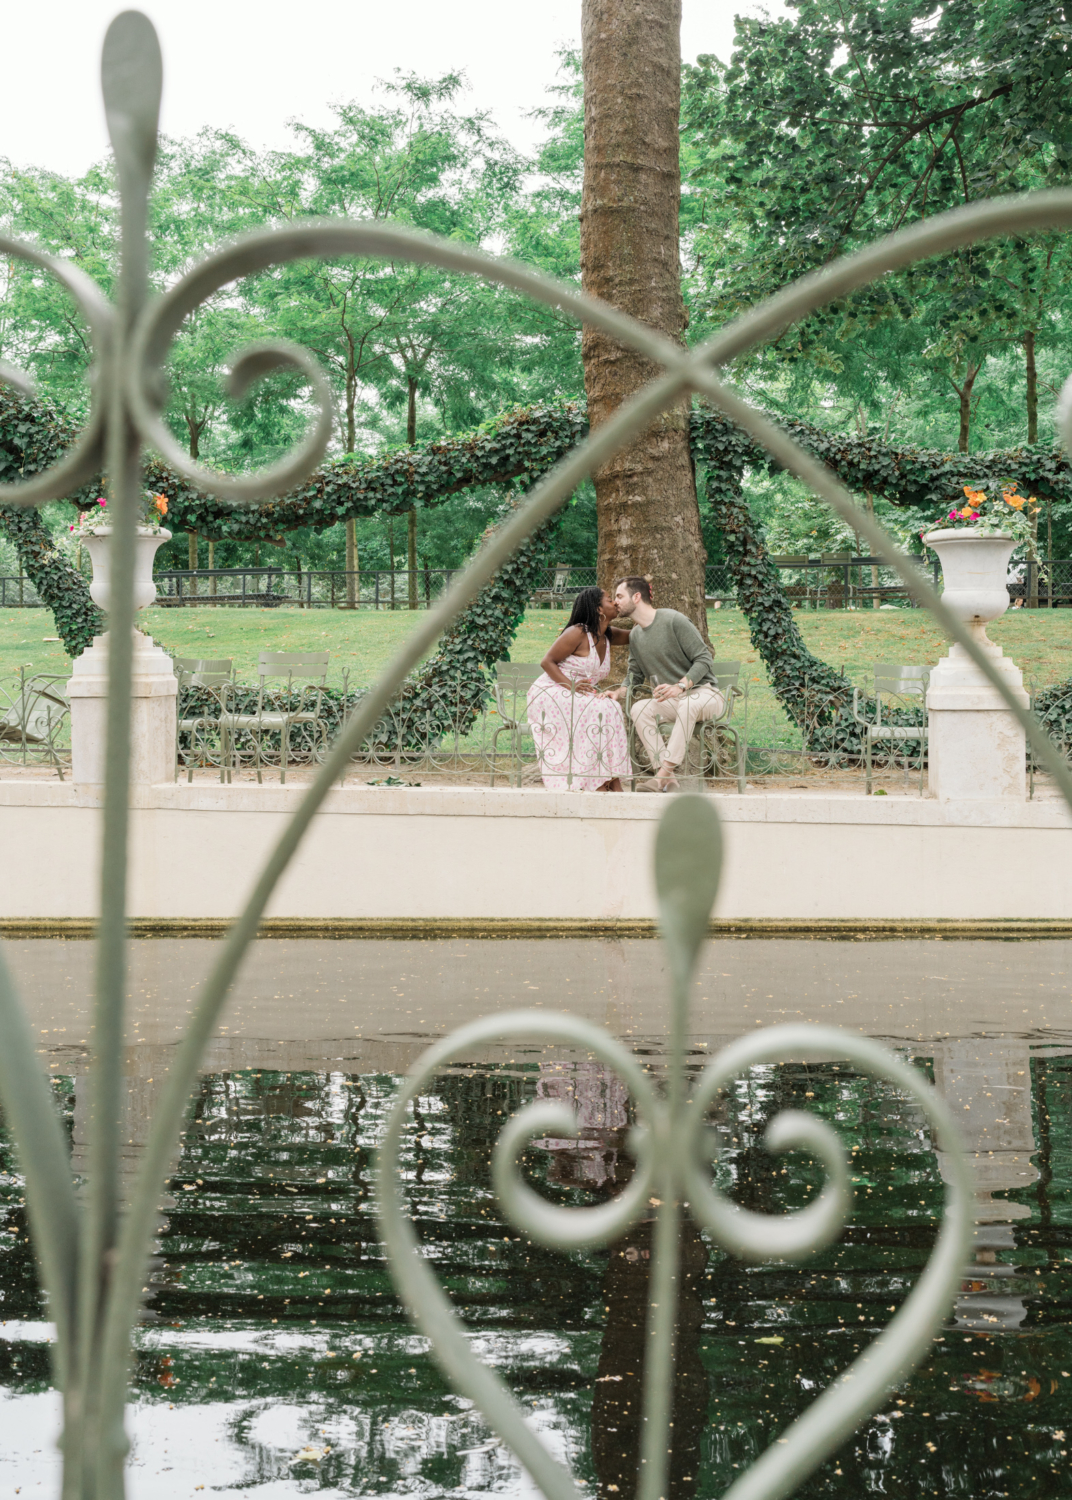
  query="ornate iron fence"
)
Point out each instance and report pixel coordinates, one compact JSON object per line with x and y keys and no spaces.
{"x":35,"y":720}
{"x":836,"y":582}
{"x":93,"y":1259}
{"x":519,"y":735}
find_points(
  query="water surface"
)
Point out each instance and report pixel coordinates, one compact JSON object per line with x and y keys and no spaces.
{"x":275,"y":1359}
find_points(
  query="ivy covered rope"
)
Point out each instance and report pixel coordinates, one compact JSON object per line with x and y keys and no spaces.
{"x":33,"y":435}
{"x":443,"y":697}
{"x":517,"y":449}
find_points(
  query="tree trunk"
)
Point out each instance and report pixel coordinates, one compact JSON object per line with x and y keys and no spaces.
{"x":351,"y":402}
{"x":194,"y":429}
{"x":875,"y":599}
{"x":649,"y":521}
{"x":211,"y":565}
{"x":411,"y":560}
{"x":391,"y":550}
{"x":351,"y":564}
{"x":411,"y":438}
{"x":964,"y":393}
{"x":1032,"y":386}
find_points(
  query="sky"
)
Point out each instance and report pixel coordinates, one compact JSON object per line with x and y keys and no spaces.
{"x":252,"y":65}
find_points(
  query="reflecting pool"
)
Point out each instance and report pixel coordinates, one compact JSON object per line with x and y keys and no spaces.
{"x":275,"y":1360}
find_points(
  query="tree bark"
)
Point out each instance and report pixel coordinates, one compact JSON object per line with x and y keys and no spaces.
{"x":351,"y":403}
{"x":648,"y":518}
{"x":1032,"y":386}
{"x":964,"y":393}
{"x":391,"y":550}
{"x":194,"y":429}
{"x":351,"y":564}
{"x":411,"y":520}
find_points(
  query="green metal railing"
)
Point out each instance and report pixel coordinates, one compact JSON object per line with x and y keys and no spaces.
{"x":93,"y":1258}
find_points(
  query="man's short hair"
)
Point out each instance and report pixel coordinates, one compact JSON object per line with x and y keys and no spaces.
{"x":639,"y":586}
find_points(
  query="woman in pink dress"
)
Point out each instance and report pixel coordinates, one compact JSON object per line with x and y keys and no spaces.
{"x":579,"y":734}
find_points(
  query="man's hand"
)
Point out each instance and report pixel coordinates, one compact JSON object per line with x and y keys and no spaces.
{"x":618,"y":694}
{"x":665,"y":690}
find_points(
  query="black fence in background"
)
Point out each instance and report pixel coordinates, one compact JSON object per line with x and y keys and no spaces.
{"x":830,"y":581}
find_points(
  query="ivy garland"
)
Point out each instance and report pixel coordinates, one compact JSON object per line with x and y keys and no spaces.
{"x":34,"y":436}
{"x":517,"y":448}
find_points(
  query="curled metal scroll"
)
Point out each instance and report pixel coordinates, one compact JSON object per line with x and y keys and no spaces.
{"x":84,"y":460}
{"x":674,"y":1152}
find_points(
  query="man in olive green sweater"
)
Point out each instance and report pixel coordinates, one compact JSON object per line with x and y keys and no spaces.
{"x":666,"y":649}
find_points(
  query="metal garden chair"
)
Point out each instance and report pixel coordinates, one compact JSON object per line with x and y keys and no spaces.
{"x":707,"y":731}
{"x":556,"y":595}
{"x":512,"y":682}
{"x":309,"y":669}
{"x":31,"y":718}
{"x":727,"y":677}
{"x":900,"y":688}
{"x":213,"y":673}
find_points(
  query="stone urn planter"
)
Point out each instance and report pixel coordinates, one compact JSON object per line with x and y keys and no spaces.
{"x":98,"y":543}
{"x":976,"y":749}
{"x":975,"y":569}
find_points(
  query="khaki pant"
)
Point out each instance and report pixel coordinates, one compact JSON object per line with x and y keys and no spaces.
{"x":683,"y":713}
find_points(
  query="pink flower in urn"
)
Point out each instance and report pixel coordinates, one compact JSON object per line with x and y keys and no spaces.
{"x":101,"y":500}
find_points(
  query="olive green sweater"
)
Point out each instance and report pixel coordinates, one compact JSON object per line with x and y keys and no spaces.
{"x":668,"y":649}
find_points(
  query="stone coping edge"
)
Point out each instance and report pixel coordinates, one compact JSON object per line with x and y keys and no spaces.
{"x":756,"y":807}
{"x":861,"y":929}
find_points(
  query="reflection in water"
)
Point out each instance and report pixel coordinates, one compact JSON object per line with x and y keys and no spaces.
{"x":275,"y":1358}
{"x":988,"y":1086}
{"x":616,"y":1406}
{"x":596,"y":1160}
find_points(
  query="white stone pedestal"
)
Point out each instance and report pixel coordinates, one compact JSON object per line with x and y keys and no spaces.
{"x":154,"y":691}
{"x":976,"y":749}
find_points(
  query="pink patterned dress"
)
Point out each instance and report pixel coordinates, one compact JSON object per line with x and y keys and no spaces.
{"x":580,"y":739}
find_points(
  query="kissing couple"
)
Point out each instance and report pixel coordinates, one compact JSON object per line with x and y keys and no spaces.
{"x":580,"y":731}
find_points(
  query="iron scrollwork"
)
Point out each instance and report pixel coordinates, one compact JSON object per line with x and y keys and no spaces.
{"x":93,"y":1258}
{"x":674,"y":1151}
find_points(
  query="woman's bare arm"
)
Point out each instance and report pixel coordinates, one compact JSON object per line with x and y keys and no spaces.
{"x":566,"y":645}
{"x":617,"y":636}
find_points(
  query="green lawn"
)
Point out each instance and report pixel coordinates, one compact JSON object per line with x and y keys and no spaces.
{"x":1040,"y":641}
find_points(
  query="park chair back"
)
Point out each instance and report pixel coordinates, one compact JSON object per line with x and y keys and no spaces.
{"x":203,"y":672}
{"x":712,"y":734}
{"x":512,"y":682}
{"x":727,"y":675}
{"x":897,"y":686}
{"x":295,"y":666}
{"x":557,"y":594}
{"x":32,"y":715}
{"x":720,"y":730}
{"x":896,"y":681}
{"x":307,"y":668}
